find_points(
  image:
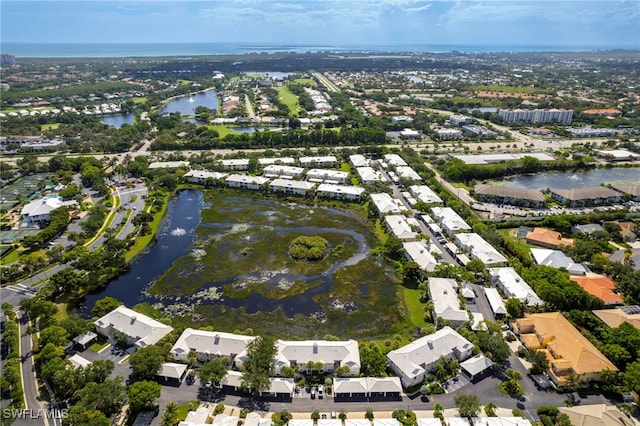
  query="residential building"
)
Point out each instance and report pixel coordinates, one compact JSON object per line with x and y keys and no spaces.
{"x":633,"y":190}
{"x":172,"y":372}
{"x":498,"y":194}
{"x":139,"y":329}
{"x":398,"y":119}
{"x":495,"y":302}
{"x":580,"y":197}
{"x":448,"y":134}
{"x":246,"y":182}
{"x":276,"y":160}
{"x":500,"y":421}
{"x":479,"y":131}
{"x":597,"y":415}
{"x":588,"y":228}
{"x":406,"y":172}
{"x":210,"y":344}
{"x":614,"y":317}
{"x":513,"y":286}
{"x":169,"y":165}
{"x":413,"y":362}
{"x":479,"y":249}
{"x":291,"y":187}
{"x":281,"y":171}
{"x":331,"y":354}
{"x":394,"y":160}
{"x":358,"y":160}
{"x":201,"y":176}
{"x":477,"y":367}
{"x":369,"y":176}
{"x":385,"y":204}
{"x":536,"y":115}
{"x":566,"y":348}
{"x":425,"y":194}
{"x":557,"y":259}
{"x":449,"y":220}
{"x":601,"y":287}
{"x":340,"y":192}
{"x":39,"y":210}
{"x":609,"y":112}
{"x":327,"y":176}
{"x":319,"y":161}
{"x":547,"y":238}
{"x":618,"y":155}
{"x":361,"y":387}
{"x":443,"y":292}
{"x":235,"y":164}
{"x":418,"y":251}
{"x":492,"y":158}
{"x":399,"y":227}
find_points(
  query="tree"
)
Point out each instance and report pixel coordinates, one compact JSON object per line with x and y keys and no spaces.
{"x":213,"y":371}
{"x":170,"y":415}
{"x":490,"y":409}
{"x":572,"y":382}
{"x":257,"y":369}
{"x":539,"y":362}
{"x":142,"y":395}
{"x":342,"y":415}
{"x":368,"y":414}
{"x":609,"y":376}
{"x":104,"y":306}
{"x":54,"y":334}
{"x":343,"y":371}
{"x":315,"y":415}
{"x":393,"y":248}
{"x":632,"y":376}
{"x":106,"y":396}
{"x":515,"y":308}
{"x":468,"y":404}
{"x":616,"y":354}
{"x":438,"y":411}
{"x":146,"y":361}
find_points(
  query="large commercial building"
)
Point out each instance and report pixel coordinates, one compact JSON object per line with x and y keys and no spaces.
{"x":536,"y":115}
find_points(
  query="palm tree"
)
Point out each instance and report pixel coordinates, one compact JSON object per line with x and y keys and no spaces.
{"x":440,"y":372}
{"x":490,"y":409}
{"x":608,"y":376}
{"x":572,"y":382}
{"x":315,"y":415}
{"x":437,"y":411}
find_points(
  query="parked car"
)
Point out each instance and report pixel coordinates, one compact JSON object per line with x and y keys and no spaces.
{"x":313,"y":392}
{"x":320,"y":392}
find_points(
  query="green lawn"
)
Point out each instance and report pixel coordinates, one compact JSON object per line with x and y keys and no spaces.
{"x":183,"y":409}
{"x":306,"y":82}
{"x":142,"y":242}
{"x":11,"y":257}
{"x":51,"y":126}
{"x":184,"y":82}
{"x":415,"y":308}
{"x":140,"y":100}
{"x":221,"y":129}
{"x":289,"y":99}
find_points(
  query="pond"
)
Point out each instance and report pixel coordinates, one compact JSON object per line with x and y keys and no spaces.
{"x":225,"y":257}
{"x":570,"y":180}
{"x":243,"y":129}
{"x":118,"y":120}
{"x":186,"y":105}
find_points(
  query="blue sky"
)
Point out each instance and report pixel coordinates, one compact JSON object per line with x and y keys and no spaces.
{"x":607,"y":23}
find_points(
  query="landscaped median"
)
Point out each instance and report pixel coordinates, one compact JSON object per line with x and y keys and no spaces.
{"x":141,"y":242}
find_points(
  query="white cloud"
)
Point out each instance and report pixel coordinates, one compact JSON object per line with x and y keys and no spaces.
{"x":418,"y":9}
{"x":288,"y":6}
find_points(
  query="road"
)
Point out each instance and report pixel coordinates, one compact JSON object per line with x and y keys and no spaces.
{"x":29,"y":384}
{"x":249,"y":108}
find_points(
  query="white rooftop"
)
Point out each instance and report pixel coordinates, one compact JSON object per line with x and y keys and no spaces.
{"x":495,"y":301}
{"x":172,"y":370}
{"x":277,"y":169}
{"x":386,"y":204}
{"x":168,"y":164}
{"x":276,"y":160}
{"x":145,"y":330}
{"x":479,"y":248}
{"x":293,"y":184}
{"x":326,"y":351}
{"x":557,"y":259}
{"x":418,"y":251}
{"x":400,"y":227}
{"x":210,"y":342}
{"x":514,"y":286}
{"x":325,"y":174}
{"x":203,"y":174}
{"x":255,"y":180}
{"x":449,"y":219}
{"x":358,"y":160}
{"x":407,"y":172}
{"x":340,"y":189}
{"x":498,"y":157}
{"x":394,"y":160}
{"x":446,"y":305}
{"x":425,"y":194}
{"x":368,"y":174}
{"x":79,"y":361}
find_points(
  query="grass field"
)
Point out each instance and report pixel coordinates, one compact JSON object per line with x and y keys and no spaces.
{"x":306,"y":82}
{"x":11,"y":257}
{"x":221,"y":129}
{"x":140,"y":100}
{"x":415,"y":308}
{"x":289,"y":99}
{"x":51,"y":126}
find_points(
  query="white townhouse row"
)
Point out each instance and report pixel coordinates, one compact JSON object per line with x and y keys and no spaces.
{"x":327,"y":176}
{"x":140,"y":329}
{"x":276,"y":160}
{"x":318,"y":161}
{"x":281,"y":171}
{"x":291,"y":187}
{"x":480,"y":249}
{"x":418,"y":251}
{"x":425,"y":194}
{"x":394,"y":160}
{"x":443,"y":292}
{"x":201,"y":176}
{"x":359,"y":160}
{"x":385,"y":204}
{"x":413,"y":362}
{"x":400,"y":227}
{"x":406,"y":172}
{"x":369,"y":176}
{"x":246,"y":181}
{"x":449,"y":220}
{"x":340,"y":192}
{"x":208,"y":345}
{"x":511,"y":284}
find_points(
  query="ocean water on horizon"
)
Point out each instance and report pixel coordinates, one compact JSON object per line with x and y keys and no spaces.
{"x":117,"y":50}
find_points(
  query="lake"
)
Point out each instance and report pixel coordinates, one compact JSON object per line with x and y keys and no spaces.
{"x":186,"y":105}
{"x":570,"y":180}
{"x":118,"y":120}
